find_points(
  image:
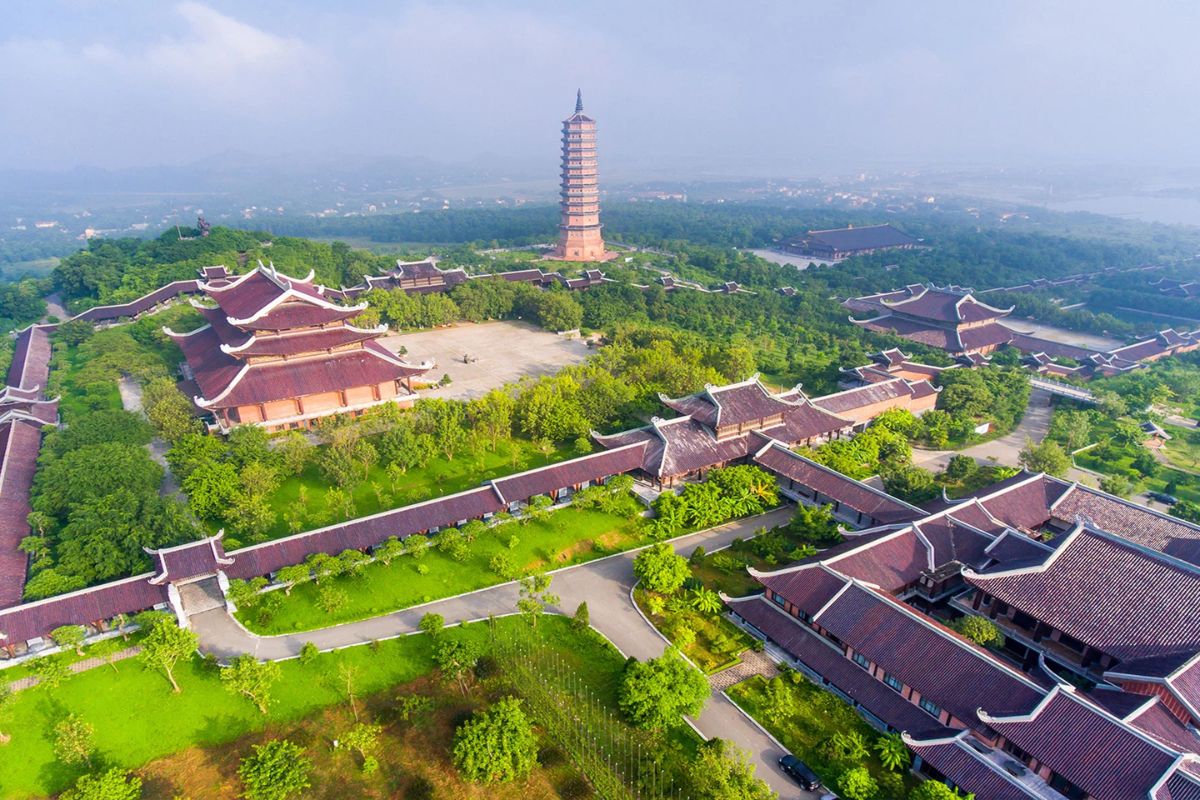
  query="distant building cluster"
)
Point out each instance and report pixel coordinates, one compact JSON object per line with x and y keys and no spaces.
{"x":839,"y":243}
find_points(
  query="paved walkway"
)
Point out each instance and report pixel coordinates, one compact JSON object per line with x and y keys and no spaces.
{"x":80,"y":666}
{"x":605,"y":584}
{"x":752,"y":664}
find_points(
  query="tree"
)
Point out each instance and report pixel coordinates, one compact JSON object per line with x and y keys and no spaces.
{"x":443,"y":420}
{"x":1118,"y":485}
{"x":432,"y":624}
{"x":960,"y":467}
{"x":292,"y":574}
{"x":558,"y":311}
{"x":212,"y":489}
{"x":113,"y":784}
{"x":661,"y":569}
{"x":492,"y":415}
{"x":980,"y":630}
{"x":581,"y":621}
{"x":364,"y":739}
{"x":50,"y":671}
{"x":910,"y":483}
{"x":455,"y":658}
{"x":168,"y":410}
{"x":654,"y":694}
{"x":535,"y":595}
{"x":69,"y":637}
{"x":276,"y":770}
{"x":857,"y":784}
{"x":251,"y":678}
{"x":166,"y":645}
{"x":893,"y":752}
{"x":722,"y":771}
{"x":496,"y":745}
{"x":73,"y":740}
{"x":1072,"y":428}
{"x":1047,"y":457}
{"x":936,"y":790}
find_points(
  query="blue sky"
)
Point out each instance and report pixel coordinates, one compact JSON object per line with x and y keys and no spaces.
{"x":808,"y":86}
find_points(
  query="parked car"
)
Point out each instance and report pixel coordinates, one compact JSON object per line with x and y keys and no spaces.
{"x":1163,"y":497}
{"x":800,"y":772}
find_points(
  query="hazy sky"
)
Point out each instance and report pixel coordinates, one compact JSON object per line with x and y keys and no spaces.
{"x":805,"y":84}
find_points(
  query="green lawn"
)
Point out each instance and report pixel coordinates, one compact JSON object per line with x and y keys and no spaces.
{"x":819,"y":715}
{"x":137,"y":718}
{"x":1184,"y":449}
{"x":440,"y":477}
{"x":718,"y":643}
{"x":567,"y":536}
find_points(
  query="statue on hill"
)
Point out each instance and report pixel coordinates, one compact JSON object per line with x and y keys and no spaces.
{"x":203,"y":225}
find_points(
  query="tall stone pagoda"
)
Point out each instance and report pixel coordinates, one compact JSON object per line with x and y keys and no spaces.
{"x":579,"y":236}
{"x":277,"y":352}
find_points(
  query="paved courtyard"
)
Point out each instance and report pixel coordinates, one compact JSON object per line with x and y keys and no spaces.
{"x":499,"y":352}
{"x":1050,"y":332}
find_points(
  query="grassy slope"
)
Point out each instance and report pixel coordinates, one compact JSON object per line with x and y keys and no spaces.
{"x":565,"y":537}
{"x":137,"y":718}
{"x":440,"y":477}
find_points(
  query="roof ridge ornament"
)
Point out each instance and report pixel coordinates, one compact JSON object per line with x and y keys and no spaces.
{"x":579,"y":101}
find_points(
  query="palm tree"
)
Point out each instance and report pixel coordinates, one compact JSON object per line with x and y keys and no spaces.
{"x":706,"y":601}
{"x":893,"y":753}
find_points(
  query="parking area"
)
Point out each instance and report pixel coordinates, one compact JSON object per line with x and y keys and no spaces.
{"x":480,"y":357}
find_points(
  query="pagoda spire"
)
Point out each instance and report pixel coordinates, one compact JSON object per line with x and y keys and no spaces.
{"x":579,"y":101}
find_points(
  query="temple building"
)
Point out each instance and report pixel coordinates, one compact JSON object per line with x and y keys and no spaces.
{"x":728,"y":424}
{"x":278,"y":352}
{"x":579,"y":237}
{"x":839,"y":243}
{"x":1094,"y":691}
{"x":949,"y":318}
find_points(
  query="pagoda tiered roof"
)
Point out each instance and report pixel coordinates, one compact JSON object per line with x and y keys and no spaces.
{"x":949,"y":318}
{"x":271,"y":337}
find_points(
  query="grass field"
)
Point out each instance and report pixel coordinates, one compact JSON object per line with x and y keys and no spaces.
{"x":137,"y":718}
{"x":567,"y":536}
{"x":440,"y":477}
{"x":818,"y":715}
{"x":1183,"y":450}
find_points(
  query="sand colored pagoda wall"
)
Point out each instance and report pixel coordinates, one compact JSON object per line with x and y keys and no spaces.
{"x":360,"y":395}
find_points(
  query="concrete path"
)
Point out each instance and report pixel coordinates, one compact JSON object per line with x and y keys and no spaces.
{"x":131,"y":400}
{"x":605,"y":584}
{"x":1034,"y":425}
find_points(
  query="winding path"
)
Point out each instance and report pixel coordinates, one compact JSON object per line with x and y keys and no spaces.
{"x":605,"y":584}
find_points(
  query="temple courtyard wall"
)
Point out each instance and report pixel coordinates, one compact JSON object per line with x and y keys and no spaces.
{"x":497,"y":353}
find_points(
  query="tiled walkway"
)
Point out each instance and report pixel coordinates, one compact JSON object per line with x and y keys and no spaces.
{"x":752,"y":664}
{"x":81,"y":666}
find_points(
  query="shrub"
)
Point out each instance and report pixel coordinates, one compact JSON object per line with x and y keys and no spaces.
{"x":575,"y":788}
{"x":857,"y":784}
{"x":309,"y":653}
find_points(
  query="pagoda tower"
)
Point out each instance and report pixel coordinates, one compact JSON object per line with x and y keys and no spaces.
{"x":579,"y":236}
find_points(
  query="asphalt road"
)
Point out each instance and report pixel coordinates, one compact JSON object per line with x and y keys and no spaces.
{"x":605,"y":584}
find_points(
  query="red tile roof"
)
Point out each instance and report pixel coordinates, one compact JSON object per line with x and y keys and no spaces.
{"x":543,"y":480}
{"x":878,"y":505}
{"x":190,"y":560}
{"x":970,"y":771}
{"x":824,"y":659}
{"x":939,"y":664}
{"x":142,"y":304}
{"x":1139,"y":524}
{"x":945,"y":305}
{"x":1088,"y":746}
{"x":99,"y":603}
{"x":1119,"y":598}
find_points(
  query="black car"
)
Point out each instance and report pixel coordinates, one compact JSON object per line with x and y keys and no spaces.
{"x":1163,"y":497}
{"x":798,"y":771}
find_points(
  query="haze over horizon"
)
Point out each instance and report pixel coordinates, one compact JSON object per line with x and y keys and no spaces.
{"x":766,"y":85}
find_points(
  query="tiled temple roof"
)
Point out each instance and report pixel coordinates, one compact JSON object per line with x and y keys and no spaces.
{"x":971,"y":771}
{"x":1090,"y":747}
{"x":1096,"y":586}
{"x":878,"y":505}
